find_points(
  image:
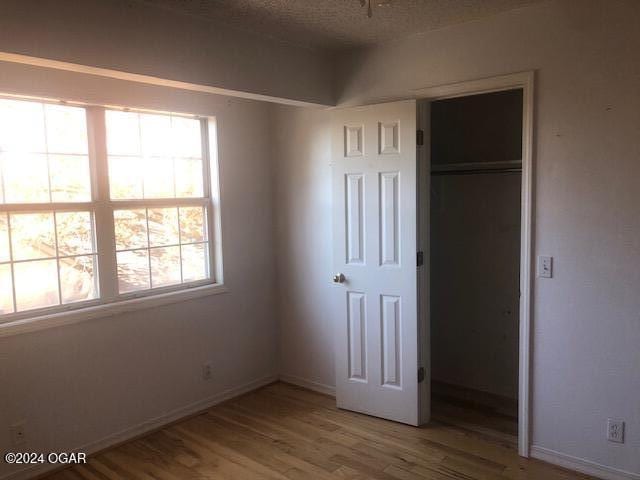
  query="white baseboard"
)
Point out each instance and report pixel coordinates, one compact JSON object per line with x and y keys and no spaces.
{"x":146,"y":426}
{"x":311,"y":385}
{"x":581,"y":465}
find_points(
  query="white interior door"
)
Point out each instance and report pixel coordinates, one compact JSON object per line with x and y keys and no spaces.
{"x":375,"y":246}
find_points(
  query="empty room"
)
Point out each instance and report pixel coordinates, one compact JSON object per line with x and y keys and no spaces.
{"x":300,"y":239}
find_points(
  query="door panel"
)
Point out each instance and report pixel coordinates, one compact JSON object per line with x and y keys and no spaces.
{"x":389,"y":220}
{"x":391,"y":333}
{"x":357,"y":333}
{"x":375,"y":229}
{"x":355,"y":221}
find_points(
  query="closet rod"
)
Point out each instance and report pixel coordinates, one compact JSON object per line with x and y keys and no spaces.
{"x":485,"y":171}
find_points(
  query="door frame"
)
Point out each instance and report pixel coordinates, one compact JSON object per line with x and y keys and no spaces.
{"x":524,"y":81}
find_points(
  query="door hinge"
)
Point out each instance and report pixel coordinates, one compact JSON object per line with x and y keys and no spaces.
{"x":419,"y":137}
{"x":420,"y":374}
{"x":420,"y":259}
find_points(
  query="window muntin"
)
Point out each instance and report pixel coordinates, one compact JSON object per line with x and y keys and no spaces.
{"x":52,"y":197}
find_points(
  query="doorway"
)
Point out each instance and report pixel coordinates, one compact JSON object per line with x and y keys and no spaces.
{"x":476,"y":170}
{"x":381,"y":207}
{"x":475,"y":173}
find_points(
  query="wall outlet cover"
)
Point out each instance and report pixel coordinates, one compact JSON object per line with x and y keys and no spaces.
{"x":615,"y":430}
{"x":18,"y":434}
{"x":207,"y":371}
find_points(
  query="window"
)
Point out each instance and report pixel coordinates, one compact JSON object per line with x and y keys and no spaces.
{"x":100,"y":204}
{"x":154,"y":157}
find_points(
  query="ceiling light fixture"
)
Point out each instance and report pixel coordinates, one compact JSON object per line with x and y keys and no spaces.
{"x":379,"y":3}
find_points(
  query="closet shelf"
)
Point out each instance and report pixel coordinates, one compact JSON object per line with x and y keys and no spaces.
{"x":471,"y":168}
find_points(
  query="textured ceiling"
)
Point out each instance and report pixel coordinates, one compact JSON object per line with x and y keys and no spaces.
{"x":337,"y":24}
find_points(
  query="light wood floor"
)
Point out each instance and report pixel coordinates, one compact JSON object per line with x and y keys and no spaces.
{"x":490,"y":416}
{"x":286,"y":432}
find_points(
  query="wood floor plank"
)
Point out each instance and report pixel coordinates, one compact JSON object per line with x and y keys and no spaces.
{"x":283,"y":432}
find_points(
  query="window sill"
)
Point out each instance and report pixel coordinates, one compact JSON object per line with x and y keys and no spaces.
{"x":43,"y":322}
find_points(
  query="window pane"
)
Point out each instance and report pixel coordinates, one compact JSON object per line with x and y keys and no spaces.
{"x":36,"y":284}
{"x":4,"y":239}
{"x":165,"y":266}
{"x":163,"y":226}
{"x":133,"y":270}
{"x":66,"y":129}
{"x":154,"y":156}
{"x":70,"y":178}
{"x":156,"y":135}
{"x":131,"y":229}
{"x":28,"y":174}
{"x":158,"y":178}
{"x":125,"y":177}
{"x":6,"y":292}
{"x":21,"y":126}
{"x":123,"y":130}
{"x":25,"y":178}
{"x":75,"y":233}
{"x":77,"y":280}
{"x":32,"y":236}
{"x":192,"y":224}
{"x":188,"y":177}
{"x":195,"y":261}
{"x":186,"y":137}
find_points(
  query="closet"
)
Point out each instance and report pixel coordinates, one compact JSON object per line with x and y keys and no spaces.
{"x":476,"y":148}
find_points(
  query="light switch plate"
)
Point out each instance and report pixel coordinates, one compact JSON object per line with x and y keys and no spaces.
{"x":545,"y":266}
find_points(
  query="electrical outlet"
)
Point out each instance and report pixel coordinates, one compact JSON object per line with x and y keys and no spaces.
{"x":18,"y":434}
{"x":615,"y":430}
{"x":545,"y":266}
{"x":207,"y":371}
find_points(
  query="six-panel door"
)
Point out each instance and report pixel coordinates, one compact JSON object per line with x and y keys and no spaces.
{"x":375,"y":307}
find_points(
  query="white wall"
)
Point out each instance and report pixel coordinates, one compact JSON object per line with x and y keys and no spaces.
{"x":128,"y":36}
{"x":586,"y":320}
{"x":79,"y":384}
{"x":302,"y":182}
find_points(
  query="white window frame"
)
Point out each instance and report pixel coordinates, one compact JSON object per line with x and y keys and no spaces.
{"x":109,"y":300}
